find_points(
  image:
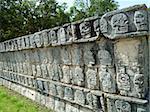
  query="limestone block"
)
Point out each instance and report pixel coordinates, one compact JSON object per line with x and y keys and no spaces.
{"x":66,"y":55}
{"x":79,"y":97}
{"x":104,"y":57}
{"x":52,"y":89}
{"x":50,"y":102}
{"x":45,"y":38}
{"x":88,"y":54}
{"x":56,"y":51}
{"x":31,"y":94}
{"x":76,"y":55}
{"x":140,"y":20}
{"x":69,"y":93}
{"x":59,"y":106}
{"x":91,"y":77}
{"x":60,"y":91}
{"x":78,"y":76}
{"x":46,"y":87}
{"x":61,"y":33}
{"x":71,"y":108}
{"x":96,"y":25}
{"x":67,"y":74}
{"x":130,"y":67}
{"x":53,"y":35}
{"x":42,"y":100}
{"x":85,"y":29}
{"x":107,"y":79}
{"x":40,"y":87}
{"x":38,"y":71}
{"x":44,"y":70}
{"x":122,"y":106}
{"x":57,"y":73}
{"x":38,"y":40}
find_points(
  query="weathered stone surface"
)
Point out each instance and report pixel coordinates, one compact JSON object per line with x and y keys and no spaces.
{"x":59,"y":106}
{"x":79,"y":97}
{"x":78,"y":76}
{"x":69,"y":93}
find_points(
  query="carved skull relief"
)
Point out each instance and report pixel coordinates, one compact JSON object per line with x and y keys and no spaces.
{"x":61,"y":35}
{"x":89,"y":99}
{"x":79,"y":97}
{"x":66,"y":74}
{"x":85,"y":29}
{"x":104,"y":57}
{"x":123,"y":81}
{"x":120,"y":23}
{"x":91,"y":79}
{"x":78,"y":76}
{"x":68,"y":93}
{"x":37,"y":40}
{"x":103,"y":25}
{"x":96,"y":27}
{"x":139,"y":84}
{"x":141,"y":20}
{"x":122,"y":106}
{"x":105,"y":79}
{"x":69,"y":33}
{"x":53,"y":36}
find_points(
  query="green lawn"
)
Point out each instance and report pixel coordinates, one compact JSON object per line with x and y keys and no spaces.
{"x":13,"y":102}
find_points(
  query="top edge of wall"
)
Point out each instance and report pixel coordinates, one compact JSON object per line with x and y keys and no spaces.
{"x":124,"y":23}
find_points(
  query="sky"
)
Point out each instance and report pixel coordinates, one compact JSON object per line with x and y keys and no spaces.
{"x":122,"y":3}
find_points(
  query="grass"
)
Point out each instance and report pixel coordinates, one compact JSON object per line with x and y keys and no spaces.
{"x":13,"y":102}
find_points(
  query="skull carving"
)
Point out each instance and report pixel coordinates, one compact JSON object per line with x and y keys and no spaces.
{"x":123,"y":81}
{"x":103,"y":25}
{"x":140,"y":20}
{"x":120,"y":23}
{"x":139,"y":84}
{"x":96,"y":27}
{"x":85,"y":29}
{"x":122,"y":106}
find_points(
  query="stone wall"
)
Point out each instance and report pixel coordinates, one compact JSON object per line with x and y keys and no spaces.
{"x":99,"y":64}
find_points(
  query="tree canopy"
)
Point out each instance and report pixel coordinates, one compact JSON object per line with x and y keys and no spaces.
{"x":22,"y":17}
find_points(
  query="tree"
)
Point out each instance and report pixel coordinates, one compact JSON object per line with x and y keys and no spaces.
{"x":22,"y":17}
{"x":87,"y":8}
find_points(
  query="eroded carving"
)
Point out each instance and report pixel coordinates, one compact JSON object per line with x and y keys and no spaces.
{"x":91,"y":76}
{"x":122,"y":106}
{"x":52,"y":89}
{"x":106,"y":79}
{"x":139,"y":85}
{"x":123,"y":81}
{"x":141,"y":20}
{"x":85,"y":29}
{"x":103,"y":25}
{"x":59,"y":106}
{"x":61,"y":35}
{"x":60,"y":91}
{"x":104,"y":57}
{"x":79,"y":97}
{"x":68,"y":93}
{"x":66,"y":74}
{"x":96,"y":25}
{"x":78,"y":76}
{"x":53,"y":36}
{"x":120,"y":23}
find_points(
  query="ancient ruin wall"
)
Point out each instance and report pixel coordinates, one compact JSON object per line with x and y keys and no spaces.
{"x":99,"y":64}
